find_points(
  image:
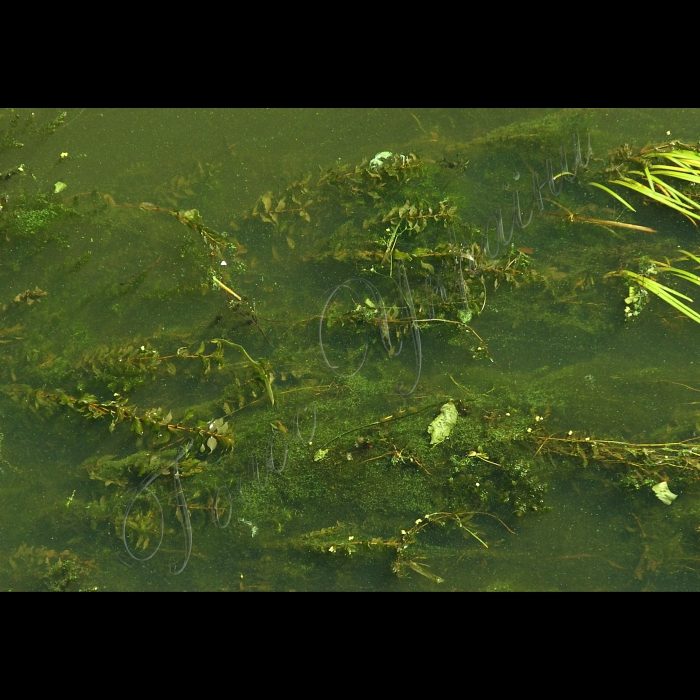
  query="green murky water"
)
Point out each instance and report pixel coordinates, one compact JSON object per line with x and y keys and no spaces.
{"x":224,"y":335}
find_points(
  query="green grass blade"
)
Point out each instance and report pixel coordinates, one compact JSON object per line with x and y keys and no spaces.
{"x":649,"y":180}
{"x":683,"y":274}
{"x":667,"y":290}
{"x":648,"y":283}
{"x":679,"y":305}
{"x":658,"y":166}
{"x":691,"y":156}
{"x":637,"y":187}
{"x":691,"y":256}
{"x":666,"y":189}
{"x":614,"y":194}
{"x":689,"y":177}
{"x":678,"y":194}
{"x":663,"y":293}
{"x":643,"y":189}
{"x":686,"y":164}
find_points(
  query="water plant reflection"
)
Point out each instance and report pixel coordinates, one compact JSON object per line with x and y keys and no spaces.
{"x":297,"y":429}
{"x":144,"y":524}
{"x":270,"y":453}
{"x":216,"y":508}
{"x":492,"y":248}
{"x":351,"y":317}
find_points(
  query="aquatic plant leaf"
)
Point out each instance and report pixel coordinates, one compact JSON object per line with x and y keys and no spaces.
{"x":691,"y":256}
{"x":691,"y":156}
{"x":637,"y":187}
{"x":191,"y":215}
{"x":683,"y":175}
{"x":256,"y":366}
{"x":614,"y":194}
{"x":664,"y":293}
{"x":674,"y":193}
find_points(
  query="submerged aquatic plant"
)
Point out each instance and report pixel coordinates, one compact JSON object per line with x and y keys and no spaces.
{"x":658,"y":163}
{"x":325,"y":318}
{"x":359,"y":314}
{"x":259,"y":370}
{"x":645,"y":282}
{"x":144,"y":525}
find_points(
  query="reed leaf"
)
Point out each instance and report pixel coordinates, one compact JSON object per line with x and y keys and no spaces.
{"x":684,"y":274}
{"x":657,"y":166}
{"x":681,"y":164}
{"x":678,"y":305}
{"x":614,"y":194}
{"x":692,"y":156}
{"x":664,"y":293}
{"x":674,"y":193}
{"x":668,"y":290}
{"x":691,"y":256}
{"x":649,"y":180}
{"x":683,"y":176}
{"x":686,"y":165}
{"x":637,"y":187}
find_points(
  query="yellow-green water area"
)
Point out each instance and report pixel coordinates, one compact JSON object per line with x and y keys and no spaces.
{"x":224,"y":335}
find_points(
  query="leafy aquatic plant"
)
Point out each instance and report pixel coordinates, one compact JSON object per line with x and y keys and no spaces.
{"x":658,"y":163}
{"x":644,"y":282}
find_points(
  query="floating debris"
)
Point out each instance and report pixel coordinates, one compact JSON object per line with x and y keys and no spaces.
{"x":664,"y":494}
{"x":441,"y":427}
